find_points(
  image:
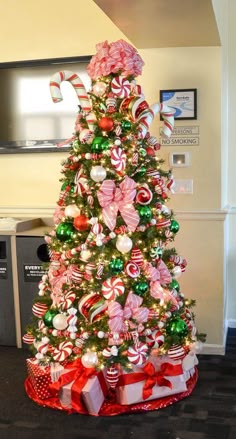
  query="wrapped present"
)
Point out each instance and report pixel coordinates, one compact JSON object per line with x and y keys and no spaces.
{"x":80,"y":387}
{"x":40,"y":377}
{"x":150,"y":383}
{"x":188,"y":363}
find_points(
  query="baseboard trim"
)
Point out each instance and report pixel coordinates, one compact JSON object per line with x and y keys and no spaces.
{"x":231,"y":323}
{"x":213,"y":349}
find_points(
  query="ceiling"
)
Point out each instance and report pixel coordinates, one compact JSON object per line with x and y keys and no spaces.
{"x":164,"y":23}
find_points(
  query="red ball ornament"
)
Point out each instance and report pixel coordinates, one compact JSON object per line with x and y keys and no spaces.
{"x":81,"y":223}
{"x":150,"y":151}
{"x":106,"y":124}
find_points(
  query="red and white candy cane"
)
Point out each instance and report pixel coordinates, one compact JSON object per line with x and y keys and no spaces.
{"x":146,"y":119}
{"x":79,"y":88}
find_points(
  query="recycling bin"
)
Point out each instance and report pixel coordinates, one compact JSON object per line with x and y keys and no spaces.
{"x":32,"y":253}
{"x":7,"y":311}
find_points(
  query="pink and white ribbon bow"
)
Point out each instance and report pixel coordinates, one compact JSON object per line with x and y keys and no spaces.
{"x":134,"y":309}
{"x":113,"y":199}
{"x":164,"y":295}
{"x":116,"y":317}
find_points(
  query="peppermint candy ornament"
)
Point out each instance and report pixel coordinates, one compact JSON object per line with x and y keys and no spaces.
{"x":137,"y":354}
{"x":120,"y":87}
{"x":118,"y":159}
{"x":144,"y":195}
{"x":158,"y":338}
{"x":63,"y":351}
{"x":67,"y":300}
{"x":132,"y":269}
{"x":112,"y":288}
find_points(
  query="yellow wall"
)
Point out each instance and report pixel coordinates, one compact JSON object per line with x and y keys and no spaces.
{"x":30,"y":181}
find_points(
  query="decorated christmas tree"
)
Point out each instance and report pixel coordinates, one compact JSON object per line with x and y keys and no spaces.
{"x":110,"y":322}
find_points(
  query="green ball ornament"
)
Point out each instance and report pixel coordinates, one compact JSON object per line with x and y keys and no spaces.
{"x":177,"y":327}
{"x":145,"y":213}
{"x":125,"y":125}
{"x":142,"y":171}
{"x":143,"y":152}
{"x":140,"y":288}
{"x":99,"y":144}
{"x":174,"y":226}
{"x":49,"y":316}
{"x":116,"y":265}
{"x":64,"y":231}
{"x":174,"y":285}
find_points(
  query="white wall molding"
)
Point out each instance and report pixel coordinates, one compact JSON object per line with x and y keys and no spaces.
{"x":213,"y":349}
{"x":35,"y":212}
{"x":202,"y":215}
{"x":231,"y":323}
{"x":193,"y":215}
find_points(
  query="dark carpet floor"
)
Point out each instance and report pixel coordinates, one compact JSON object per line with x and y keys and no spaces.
{"x":209,"y":412}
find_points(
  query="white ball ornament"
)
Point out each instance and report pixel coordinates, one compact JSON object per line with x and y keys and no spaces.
{"x":124,"y":244}
{"x":100,"y":334}
{"x":99,"y":88}
{"x":98,"y":173}
{"x":85,"y":255}
{"x":176,"y":272}
{"x":90,"y":359}
{"x":72,"y":210}
{"x":60,"y":322}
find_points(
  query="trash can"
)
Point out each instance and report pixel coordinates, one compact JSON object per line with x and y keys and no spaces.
{"x":32,"y":253}
{"x":7,"y":312}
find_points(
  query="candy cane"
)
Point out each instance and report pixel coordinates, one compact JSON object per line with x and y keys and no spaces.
{"x":147,"y":118}
{"x":79,"y":88}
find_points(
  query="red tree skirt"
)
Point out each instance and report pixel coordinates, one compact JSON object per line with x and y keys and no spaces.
{"x":110,"y":406}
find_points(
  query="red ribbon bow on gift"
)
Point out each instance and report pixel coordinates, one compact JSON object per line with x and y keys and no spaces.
{"x":151,"y":377}
{"x":80,"y":375}
{"x":113,"y":199}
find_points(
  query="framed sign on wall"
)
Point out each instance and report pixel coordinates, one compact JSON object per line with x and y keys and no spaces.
{"x":183,"y":102}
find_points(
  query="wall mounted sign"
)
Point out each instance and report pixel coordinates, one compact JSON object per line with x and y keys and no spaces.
{"x":183,"y":102}
{"x":33,"y":273}
{"x":3,"y":270}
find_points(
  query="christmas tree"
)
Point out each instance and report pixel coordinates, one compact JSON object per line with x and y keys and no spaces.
{"x":110,"y":301}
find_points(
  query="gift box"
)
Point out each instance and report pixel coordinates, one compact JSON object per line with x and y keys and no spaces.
{"x":92,"y":394}
{"x":80,"y":388}
{"x":189,"y":362}
{"x":40,"y":377}
{"x":151,"y":382}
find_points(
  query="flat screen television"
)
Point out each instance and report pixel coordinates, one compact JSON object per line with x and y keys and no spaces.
{"x":29,"y":120}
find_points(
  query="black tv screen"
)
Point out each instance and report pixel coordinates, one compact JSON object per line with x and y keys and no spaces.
{"x":29,"y":120}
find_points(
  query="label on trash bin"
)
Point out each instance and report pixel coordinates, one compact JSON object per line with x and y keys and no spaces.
{"x":33,"y":273}
{"x":3,"y":270}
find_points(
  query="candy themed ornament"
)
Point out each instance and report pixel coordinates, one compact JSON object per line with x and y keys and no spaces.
{"x":72,"y":210}
{"x":113,"y":288}
{"x":90,"y":359}
{"x":124,"y":244}
{"x":60,"y":322}
{"x":98,"y":173}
